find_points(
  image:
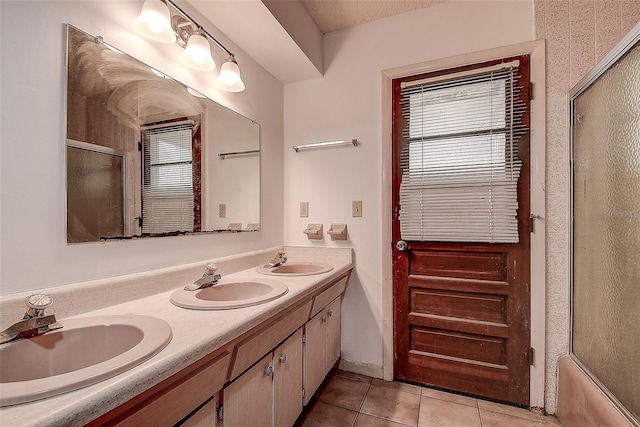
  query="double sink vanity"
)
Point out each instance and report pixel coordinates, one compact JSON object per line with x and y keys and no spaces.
{"x":262,"y":337}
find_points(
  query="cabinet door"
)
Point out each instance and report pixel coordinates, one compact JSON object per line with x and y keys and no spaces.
{"x":287,"y":381}
{"x":314,"y":354}
{"x":205,"y":417}
{"x":333,"y":333}
{"x":248,"y":401}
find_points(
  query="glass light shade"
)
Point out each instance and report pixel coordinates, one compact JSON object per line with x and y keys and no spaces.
{"x":154,"y":22}
{"x":197,"y":54}
{"x":229,"y":78}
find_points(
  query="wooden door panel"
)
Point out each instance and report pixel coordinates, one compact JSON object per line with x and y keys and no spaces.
{"x":462,"y":325}
{"x":461,"y":346}
{"x":464,"y":305}
{"x":459,"y":264}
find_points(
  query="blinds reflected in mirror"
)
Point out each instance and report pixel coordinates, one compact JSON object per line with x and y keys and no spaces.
{"x":460,"y":166}
{"x":167,"y":185}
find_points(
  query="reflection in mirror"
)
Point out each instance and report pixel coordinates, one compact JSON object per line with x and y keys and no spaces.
{"x":147,"y":156}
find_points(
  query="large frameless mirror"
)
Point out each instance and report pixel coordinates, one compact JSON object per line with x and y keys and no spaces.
{"x":148,"y":156}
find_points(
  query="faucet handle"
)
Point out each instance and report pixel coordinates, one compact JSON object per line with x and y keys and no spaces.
{"x":37,"y":304}
{"x":210,"y":270}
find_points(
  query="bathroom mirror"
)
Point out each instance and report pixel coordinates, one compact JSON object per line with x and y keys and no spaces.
{"x":147,"y":156}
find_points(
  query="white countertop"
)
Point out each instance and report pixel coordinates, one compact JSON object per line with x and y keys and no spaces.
{"x":196,"y":333}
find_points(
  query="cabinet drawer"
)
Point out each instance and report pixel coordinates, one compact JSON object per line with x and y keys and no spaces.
{"x":320,"y":301}
{"x":177,"y":402}
{"x":265,"y":339}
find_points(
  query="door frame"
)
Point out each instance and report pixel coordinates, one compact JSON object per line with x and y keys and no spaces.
{"x":537,"y":152}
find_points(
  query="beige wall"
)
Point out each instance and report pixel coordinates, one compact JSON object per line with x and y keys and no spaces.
{"x":578,"y":33}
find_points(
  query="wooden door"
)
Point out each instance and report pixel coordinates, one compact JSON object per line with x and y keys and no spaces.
{"x":462,"y":310}
{"x":287,"y":382}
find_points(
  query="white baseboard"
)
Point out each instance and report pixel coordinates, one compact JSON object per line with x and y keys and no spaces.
{"x":361,"y":368}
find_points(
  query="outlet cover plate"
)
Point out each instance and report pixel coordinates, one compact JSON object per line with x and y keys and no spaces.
{"x":304,"y":209}
{"x":222,"y":210}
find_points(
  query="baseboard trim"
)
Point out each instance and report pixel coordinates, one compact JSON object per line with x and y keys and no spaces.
{"x":361,"y":368}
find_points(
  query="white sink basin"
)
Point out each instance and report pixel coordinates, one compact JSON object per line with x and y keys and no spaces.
{"x":230,"y":293}
{"x":85,"y":351}
{"x":296,"y":269}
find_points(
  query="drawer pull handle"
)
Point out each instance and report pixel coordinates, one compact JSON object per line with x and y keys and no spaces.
{"x":330,"y":313}
{"x":269,"y":371}
{"x":283,"y":358}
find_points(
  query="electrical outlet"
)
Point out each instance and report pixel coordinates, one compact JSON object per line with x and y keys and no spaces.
{"x":356,"y":208}
{"x":222,"y":210}
{"x":304,"y":209}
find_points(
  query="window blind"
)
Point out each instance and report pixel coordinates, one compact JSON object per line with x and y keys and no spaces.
{"x":167,"y":186}
{"x":460,"y":168}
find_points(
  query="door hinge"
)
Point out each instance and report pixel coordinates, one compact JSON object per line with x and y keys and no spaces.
{"x":532,"y":353}
{"x":531,"y":87}
{"x":139,"y":146}
{"x":304,"y":338}
{"x":304,"y":393}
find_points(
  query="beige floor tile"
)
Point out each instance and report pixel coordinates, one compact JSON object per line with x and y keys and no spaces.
{"x":509,"y":410}
{"x":496,"y":419}
{"x":450,"y":397}
{"x":392,"y":404}
{"x":324,"y":415}
{"x":365,"y":420}
{"x":352,"y":376}
{"x":442,"y":413}
{"x":344,"y":392}
{"x":408,"y":388}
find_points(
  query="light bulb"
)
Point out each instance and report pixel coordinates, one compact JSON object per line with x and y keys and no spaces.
{"x":197,"y":54}
{"x":229,"y":78}
{"x":154,"y":22}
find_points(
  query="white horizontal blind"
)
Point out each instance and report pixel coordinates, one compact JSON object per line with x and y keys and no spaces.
{"x":167,"y":186}
{"x":460,"y":167}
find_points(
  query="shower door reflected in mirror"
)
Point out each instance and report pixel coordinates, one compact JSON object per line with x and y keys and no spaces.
{"x":144,"y":152}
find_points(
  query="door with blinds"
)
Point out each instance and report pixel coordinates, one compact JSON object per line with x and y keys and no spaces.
{"x":461,"y":229}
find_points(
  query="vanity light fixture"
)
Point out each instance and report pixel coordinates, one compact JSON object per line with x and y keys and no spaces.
{"x":157,"y":22}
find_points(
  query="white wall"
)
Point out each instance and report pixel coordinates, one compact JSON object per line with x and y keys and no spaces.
{"x":34,"y":253}
{"x":346,"y":104}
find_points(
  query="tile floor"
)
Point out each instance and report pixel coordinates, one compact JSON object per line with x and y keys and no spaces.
{"x":351,"y":400}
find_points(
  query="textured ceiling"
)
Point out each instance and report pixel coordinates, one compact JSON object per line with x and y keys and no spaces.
{"x":332,"y":15}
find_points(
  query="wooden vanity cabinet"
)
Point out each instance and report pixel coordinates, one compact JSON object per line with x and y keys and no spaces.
{"x":321,"y":347}
{"x":262,"y":374}
{"x":269,"y":393}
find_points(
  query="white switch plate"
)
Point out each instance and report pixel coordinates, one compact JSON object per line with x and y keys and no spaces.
{"x":222,"y":210}
{"x":356,"y":208}
{"x":304,"y":209}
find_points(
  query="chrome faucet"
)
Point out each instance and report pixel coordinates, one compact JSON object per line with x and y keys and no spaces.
{"x":209,"y":278}
{"x":34,"y":322}
{"x":277,"y":261}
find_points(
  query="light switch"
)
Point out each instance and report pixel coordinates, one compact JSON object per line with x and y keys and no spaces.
{"x":356,"y":208}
